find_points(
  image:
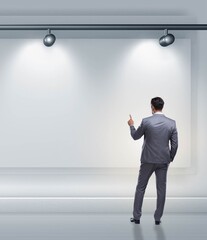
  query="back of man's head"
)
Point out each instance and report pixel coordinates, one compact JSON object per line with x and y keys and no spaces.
{"x":157,"y":103}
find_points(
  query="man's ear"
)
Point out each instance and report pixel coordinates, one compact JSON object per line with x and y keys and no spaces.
{"x":153,"y":109}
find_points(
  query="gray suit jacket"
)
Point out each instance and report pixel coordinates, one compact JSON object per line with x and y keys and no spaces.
{"x":160,"y":139}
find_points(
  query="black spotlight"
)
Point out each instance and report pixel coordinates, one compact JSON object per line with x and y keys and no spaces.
{"x":167,"y":39}
{"x":49,"y":39}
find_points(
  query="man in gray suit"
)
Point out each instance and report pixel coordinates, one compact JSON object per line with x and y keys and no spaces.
{"x":159,"y":149}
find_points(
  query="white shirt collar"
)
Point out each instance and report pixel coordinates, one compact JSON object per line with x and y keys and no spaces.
{"x":158,"y":113}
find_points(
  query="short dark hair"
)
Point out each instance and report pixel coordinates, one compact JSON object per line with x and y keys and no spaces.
{"x":157,"y":103}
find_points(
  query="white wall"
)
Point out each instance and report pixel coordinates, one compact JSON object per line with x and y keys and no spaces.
{"x":187,"y":182}
{"x":67,"y":106}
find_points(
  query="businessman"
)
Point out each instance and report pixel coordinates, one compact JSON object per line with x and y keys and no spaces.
{"x":158,"y":150}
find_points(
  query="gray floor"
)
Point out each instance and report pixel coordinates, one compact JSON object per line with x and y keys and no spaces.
{"x":101,"y":226}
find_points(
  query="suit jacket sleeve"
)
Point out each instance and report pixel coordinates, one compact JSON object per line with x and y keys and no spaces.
{"x":137,"y":134}
{"x":174,"y":143}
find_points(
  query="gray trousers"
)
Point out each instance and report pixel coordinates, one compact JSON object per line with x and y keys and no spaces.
{"x":145,"y":172}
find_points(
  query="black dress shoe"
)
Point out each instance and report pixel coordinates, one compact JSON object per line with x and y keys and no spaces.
{"x":135,"y":220}
{"x":157,"y":222}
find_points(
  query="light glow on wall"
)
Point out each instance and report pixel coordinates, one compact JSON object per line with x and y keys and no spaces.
{"x":68,"y":106}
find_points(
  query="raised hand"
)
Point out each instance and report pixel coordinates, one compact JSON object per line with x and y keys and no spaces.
{"x":131,"y":121}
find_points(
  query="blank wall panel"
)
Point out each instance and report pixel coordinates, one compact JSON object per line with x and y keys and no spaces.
{"x":68,"y":105}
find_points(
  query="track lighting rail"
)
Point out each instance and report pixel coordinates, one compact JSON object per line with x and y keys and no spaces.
{"x":103,"y":26}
